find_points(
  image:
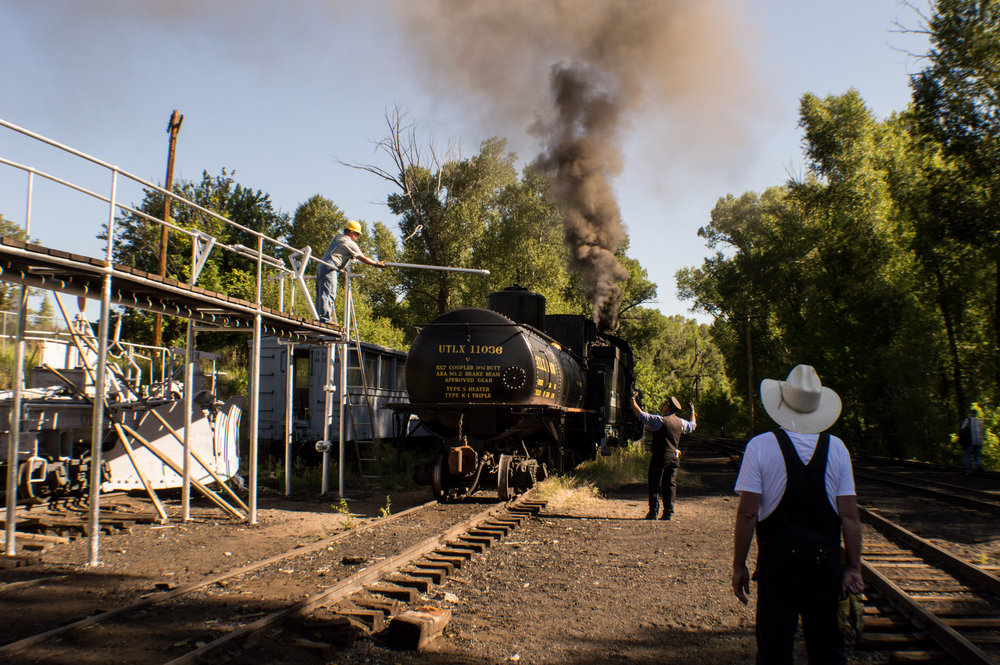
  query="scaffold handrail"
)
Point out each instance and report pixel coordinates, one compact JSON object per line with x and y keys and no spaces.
{"x":145,"y":183}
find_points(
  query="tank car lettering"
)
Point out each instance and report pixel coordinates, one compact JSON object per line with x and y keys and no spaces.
{"x":451,"y":348}
{"x":487,"y":349}
{"x":542,"y":363}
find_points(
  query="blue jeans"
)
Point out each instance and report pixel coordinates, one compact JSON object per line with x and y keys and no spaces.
{"x":972,"y":456}
{"x":326,"y":294}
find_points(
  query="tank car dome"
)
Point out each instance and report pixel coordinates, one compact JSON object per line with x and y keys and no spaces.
{"x":519,"y":305}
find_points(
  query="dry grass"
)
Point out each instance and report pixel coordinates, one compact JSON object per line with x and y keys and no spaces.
{"x":585,"y":486}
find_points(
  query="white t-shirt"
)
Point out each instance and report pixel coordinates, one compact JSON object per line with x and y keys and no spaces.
{"x":763,"y":469}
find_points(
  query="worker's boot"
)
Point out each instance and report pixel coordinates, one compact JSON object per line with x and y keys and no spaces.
{"x":654,"y":507}
{"x":668,"y":510}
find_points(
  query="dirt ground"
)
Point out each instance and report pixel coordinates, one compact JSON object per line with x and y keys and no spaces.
{"x":591,"y":582}
{"x":588,"y":581}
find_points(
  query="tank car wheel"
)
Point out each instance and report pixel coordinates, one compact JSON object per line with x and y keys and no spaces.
{"x":25,"y":488}
{"x":439,"y":479}
{"x":505,"y":473}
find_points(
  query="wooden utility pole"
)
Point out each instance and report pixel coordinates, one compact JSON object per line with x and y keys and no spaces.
{"x":176,"y":118}
{"x":750,"y":376}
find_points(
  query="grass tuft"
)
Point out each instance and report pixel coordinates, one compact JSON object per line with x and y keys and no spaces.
{"x":596,"y":477}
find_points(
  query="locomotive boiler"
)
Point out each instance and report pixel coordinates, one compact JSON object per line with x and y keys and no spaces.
{"x":511,"y":392}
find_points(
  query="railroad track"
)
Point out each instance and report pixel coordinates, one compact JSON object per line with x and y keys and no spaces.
{"x":970,"y":497}
{"x":309,"y":601}
{"x":700,"y":450}
{"x":928,"y":605}
{"x":57,"y":521}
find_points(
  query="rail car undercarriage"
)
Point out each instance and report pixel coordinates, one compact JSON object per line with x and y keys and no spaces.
{"x":142,"y":444}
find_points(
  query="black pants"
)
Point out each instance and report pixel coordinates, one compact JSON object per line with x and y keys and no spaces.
{"x":662,"y":482}
{"x":779,"y":606}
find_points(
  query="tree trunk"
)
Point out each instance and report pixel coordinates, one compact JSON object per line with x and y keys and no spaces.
{"x":956,"y":367}
{"x":996,"y":320}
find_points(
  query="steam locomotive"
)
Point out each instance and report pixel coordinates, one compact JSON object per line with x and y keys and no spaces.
{"x":511,"y":392}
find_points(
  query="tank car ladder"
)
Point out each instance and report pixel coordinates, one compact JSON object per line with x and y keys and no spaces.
{"x":365,"y":449}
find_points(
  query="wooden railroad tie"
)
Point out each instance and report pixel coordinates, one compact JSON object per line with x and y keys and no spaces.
{"x":414,"y":629}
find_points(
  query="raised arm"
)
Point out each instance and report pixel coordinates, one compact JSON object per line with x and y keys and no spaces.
{"x":371,"y":261}
{"x":635,"y":408}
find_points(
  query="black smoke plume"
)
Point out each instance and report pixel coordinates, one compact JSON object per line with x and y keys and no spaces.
{"x":576,"y":74}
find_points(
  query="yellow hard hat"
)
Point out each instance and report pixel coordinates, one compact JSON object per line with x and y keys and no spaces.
{"x":353,"y":226}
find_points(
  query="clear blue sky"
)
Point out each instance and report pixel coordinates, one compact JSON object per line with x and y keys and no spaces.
{"x":279,"y":92}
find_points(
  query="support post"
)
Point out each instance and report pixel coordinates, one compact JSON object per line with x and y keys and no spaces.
{"x":188,"y":397}
{"x":289,"y":387}
{"x":100,"y":387}
{"x":328,"y":388}
{"x":343,"y":388}
{"x":14,"y":435}
{"x":255,"y":388}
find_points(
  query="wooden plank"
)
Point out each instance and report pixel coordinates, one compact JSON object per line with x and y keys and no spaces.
{"x":19,"y":560}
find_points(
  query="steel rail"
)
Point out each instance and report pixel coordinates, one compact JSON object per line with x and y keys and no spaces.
{"x":960,"y":567}
{"x":153,"y":598}
{"x":212,"y":321}
{"x":947,"y":637}
{"x":969,"y":501}
{"x":987,"y":495}
{"x":100,"y":197}
{"x":919,"y":464}
{"x":236,"y":249}
{"x":345,"y":587}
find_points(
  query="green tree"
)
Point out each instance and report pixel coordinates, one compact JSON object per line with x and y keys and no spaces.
{"x":955,"y":106}
{"x":444,"y":204}
{"x":228,"y":272}
{"x":10,"y":293}
{"x":44,"y":318}
{"x":820,"y":272}
{"x":522,"y":244}
{"x":677,"y":356}
{"x":315,"y":223}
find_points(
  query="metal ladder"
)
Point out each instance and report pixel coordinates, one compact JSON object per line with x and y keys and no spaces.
{"x":361,"y":407}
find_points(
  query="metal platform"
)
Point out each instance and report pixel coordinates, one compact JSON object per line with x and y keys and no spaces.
{"x":39,"y":267}
{"x":46,"y":268}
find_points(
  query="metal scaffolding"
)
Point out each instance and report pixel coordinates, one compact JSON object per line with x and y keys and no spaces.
{"x":37,"y":266}
{"x":32,"y":265}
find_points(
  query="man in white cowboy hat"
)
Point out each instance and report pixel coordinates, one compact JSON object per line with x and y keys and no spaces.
{"x":342,"y":250}
{"x":664,"y":459}
{"x":796,"y":489}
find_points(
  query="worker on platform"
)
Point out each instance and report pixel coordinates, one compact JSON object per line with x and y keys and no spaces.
{"x":796,"y":489}
{"x":341,"y":251}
